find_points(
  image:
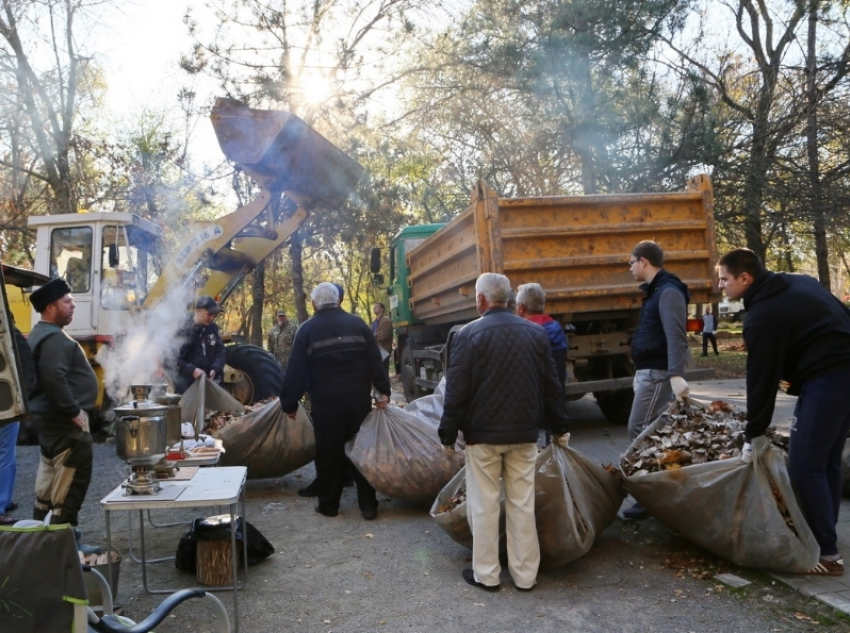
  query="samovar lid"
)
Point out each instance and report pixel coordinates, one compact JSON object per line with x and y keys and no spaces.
{"x":141,"y":408}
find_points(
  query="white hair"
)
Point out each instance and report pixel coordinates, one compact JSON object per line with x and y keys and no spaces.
{"x":325,"y":295}
{"x":496,"y":288}
{"x":532,"y":296}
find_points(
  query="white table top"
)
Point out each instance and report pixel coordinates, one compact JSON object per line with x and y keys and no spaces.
{"x":209,"y":487}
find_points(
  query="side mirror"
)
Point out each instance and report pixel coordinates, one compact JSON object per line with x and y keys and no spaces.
{"x":113,"y":256}
{"x":377,"y":279}
{"x":375,"y":261}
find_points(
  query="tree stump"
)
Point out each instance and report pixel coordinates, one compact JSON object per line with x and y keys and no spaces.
{"x":215,"y":563}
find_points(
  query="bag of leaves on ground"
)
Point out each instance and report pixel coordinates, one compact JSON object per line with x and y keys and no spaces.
{"x":401,"y":455}
{"x":449,"y":512}
{"x":686,"y":470}
{"x":574,"y":501}
{"x":268,"y":441}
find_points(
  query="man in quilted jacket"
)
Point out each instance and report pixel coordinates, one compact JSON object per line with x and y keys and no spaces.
{"x":501,"y":388}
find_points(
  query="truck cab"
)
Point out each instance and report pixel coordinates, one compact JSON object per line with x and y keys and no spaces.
{"x":399,"y":292}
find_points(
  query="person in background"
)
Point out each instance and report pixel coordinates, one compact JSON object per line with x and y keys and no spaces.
{"x":709,"y":328}
{"x":280,"y":339}
{"x":64,"y":397}
{"x":797,"y":332}
{"x":501,"y":388}
{"x":335,"y":358}
{"x":202,"y":352}
{"x":382,"y":328}
{"x":659,"y":343}
{"x":530,"y":303}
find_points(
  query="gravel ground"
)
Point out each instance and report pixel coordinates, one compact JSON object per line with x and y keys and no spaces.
{"x":402,"y":573}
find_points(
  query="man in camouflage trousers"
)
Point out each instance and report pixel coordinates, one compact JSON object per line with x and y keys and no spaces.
{"x":280,"y":339}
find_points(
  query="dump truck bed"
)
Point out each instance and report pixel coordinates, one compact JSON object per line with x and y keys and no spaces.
{"x":576,"y":247}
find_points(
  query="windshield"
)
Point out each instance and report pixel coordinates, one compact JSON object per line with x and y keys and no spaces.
{"x":130,"y":266}
{"x":70,"y":257}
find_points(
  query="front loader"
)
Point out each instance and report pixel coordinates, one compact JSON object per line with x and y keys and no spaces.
{"x":112,"y":260}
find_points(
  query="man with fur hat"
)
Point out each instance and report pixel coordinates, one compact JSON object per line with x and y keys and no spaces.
{"x":64,"y":396}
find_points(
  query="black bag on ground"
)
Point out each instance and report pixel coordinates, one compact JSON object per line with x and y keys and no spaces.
{"x":217,"y":528}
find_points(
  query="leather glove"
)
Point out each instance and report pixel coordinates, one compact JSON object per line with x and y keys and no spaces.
{"x":449,"y":449}
{"x":747,"y":453}
{"x":680,"y":388}
{"x":562,"y":440}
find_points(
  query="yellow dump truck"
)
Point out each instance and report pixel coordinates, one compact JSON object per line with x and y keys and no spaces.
{"x":577,"y":248}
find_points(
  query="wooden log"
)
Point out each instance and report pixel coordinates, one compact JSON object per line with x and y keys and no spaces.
{"x":215,"y":563}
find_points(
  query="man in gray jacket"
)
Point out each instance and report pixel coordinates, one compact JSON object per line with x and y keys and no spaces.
{"x":501,"y":388}
{"x":65,"y":394}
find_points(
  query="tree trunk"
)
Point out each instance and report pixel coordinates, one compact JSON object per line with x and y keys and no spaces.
{"x":258,"y":297}
{"x":296,"y":254}
{"x":815,"y":191}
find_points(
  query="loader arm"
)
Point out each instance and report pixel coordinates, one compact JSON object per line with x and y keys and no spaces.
{"x":223,"y":251}
{"x":292,"y":163}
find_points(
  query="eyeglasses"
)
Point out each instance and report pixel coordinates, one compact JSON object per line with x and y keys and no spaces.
{"x":632,"y":262}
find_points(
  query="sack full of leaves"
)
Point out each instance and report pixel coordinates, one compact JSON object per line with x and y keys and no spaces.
{"x":687,"y":471}
{"x":574,"y":500}
{"x":268,"y":442}
{"x":401,"y":455}
{"x":449,"y":512}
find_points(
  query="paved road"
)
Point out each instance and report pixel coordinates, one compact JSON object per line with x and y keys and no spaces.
{"x":402,"y":573}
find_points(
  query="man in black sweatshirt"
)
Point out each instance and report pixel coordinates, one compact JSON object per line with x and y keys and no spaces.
{"x":797,"y":332}
{"x":64,"y":397}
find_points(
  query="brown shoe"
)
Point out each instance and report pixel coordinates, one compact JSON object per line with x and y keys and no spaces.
{"x":5,"y":519}
{"x":828,"y":568}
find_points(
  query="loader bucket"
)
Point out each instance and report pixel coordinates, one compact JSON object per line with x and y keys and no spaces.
{"x":279,"y":146}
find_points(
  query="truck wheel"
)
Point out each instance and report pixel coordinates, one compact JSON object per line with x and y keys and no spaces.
{"x":261,"y":369}
{"x":408,"y":376}
{"x":615,"y":405}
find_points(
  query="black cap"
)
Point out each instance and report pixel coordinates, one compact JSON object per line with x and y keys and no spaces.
{"x":207,"y":303}
{"x":48,"y":293}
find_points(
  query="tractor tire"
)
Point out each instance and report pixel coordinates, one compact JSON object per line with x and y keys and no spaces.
{"x":616,"y":406}
{"x":408,"y":376}
{"x":262,"y":371}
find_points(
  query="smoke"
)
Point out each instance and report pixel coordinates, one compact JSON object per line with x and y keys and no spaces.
{"x":146,"y":353}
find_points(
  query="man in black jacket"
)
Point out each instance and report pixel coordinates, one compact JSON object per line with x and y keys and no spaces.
{"x":659,"y":343}
{"x":335,"y":358}
{"x":798,"y":333}
{"x":202,"y":351}
{"x":501,"y":388}
{"x":65,"y":395}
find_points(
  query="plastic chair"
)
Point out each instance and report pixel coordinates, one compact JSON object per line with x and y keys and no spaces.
{"x":42,"y":588}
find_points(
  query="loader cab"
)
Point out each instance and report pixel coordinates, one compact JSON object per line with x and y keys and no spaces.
{"x":110,"y":261}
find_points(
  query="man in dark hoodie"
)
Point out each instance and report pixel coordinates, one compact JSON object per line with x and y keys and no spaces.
{"x":659,"y":343}
{"x":796,"y":332}
{"x":64,"y":397}
{"x":202,"y":350}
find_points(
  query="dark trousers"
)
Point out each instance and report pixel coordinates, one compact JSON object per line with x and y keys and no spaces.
{"x":333,"y":428}
{"x":818,"y":433}
{"x":706,"y":337}
{"x":64,"y":472}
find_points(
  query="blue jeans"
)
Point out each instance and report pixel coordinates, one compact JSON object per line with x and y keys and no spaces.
{"x":8,"y":465}
{"x":818,"y":433}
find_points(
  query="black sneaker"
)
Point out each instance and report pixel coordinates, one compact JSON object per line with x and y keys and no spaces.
{"x":310,"y":490}
{"x":369,"y":515}
{"x":327,"y":513}
{"x":637,"y":511}
{"x":469,"y":576}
